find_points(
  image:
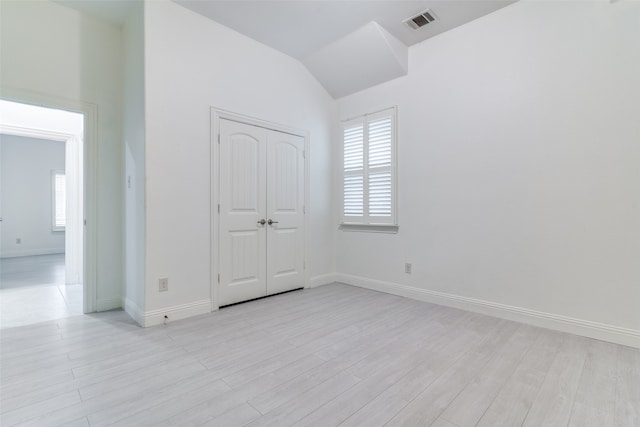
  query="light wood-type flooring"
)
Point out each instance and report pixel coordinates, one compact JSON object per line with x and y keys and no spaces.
{"x":33,"y":290}
{"x":334,"y":355}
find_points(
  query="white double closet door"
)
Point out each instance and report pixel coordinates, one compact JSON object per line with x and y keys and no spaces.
{"x":261,"y":225}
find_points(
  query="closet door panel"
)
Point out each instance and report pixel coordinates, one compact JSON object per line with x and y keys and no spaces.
{"x":243,"y":158}
{"x":285,"y":210}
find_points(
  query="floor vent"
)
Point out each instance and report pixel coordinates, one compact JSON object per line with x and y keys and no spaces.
{"x":420,"y":20}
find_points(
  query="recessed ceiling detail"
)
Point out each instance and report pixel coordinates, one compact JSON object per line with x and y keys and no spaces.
{"x":361,"y":59}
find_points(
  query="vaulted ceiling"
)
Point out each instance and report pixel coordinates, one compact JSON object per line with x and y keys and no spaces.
{"x":348,"y":45}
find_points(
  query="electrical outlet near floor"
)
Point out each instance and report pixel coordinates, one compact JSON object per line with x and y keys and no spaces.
{"x":163,"y":284}
{"x":407,"y":267}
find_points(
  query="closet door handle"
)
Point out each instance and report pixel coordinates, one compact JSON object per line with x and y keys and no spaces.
{"x":271,"y":222}
{"x":262,"y":222}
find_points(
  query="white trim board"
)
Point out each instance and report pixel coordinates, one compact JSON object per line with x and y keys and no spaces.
{"x":132,"y":309}
{"x":31,"y":252}
{"x":600,"y":331}
{"x":321,"y":280}
{"x":104,"y":304}
{"x":177,"y":312}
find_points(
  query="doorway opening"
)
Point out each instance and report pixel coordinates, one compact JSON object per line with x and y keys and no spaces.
{"x":42,"y":214}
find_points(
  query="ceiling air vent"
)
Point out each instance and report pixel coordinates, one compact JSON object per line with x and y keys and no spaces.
{"x":420,"y":20}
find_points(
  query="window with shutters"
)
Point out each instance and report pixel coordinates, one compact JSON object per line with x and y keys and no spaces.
{"x":59,"y":211}
{"x":369,"y":169}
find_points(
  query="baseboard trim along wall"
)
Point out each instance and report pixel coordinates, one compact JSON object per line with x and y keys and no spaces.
{"x":134,"y":311}
{"x":322,"y":279}
{"x":31,"y":252}
{"x":177,"y":312}
{"x":601,"y":331}
{"x":105,"y":304}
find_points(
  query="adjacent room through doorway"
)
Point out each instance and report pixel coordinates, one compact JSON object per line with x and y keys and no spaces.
{"x":41,"y":211}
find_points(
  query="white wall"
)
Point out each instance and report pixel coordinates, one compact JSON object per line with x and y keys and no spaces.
{"x":193,"y":63}
{"x":519,"y":184}
{"x":134,"y":185}
{"x":26,"y":193}
{"x":51,"y":50}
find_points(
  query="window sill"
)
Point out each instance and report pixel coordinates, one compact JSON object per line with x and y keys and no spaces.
{"x":370,"y":228}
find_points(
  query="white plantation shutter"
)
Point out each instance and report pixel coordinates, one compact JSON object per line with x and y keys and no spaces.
{"x":353,"y":148}
{"x":380,"y":142}
{"x":353,"y":167}
{"x":353,"y":196}
{"x":369,"y":169}
{"x":380,"y":149}
{"x":380,"y":194}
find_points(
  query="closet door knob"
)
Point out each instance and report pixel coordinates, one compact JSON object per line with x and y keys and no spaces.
{"x":262,"y":222}
{"x":271,"y":222}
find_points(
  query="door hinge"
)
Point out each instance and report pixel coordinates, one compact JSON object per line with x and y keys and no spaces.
{"x":218,"y":277}
{"x":218,"y":207}
{"x":84,"y":222}
{"x":304,"y":154}
{"x":218,"y":138}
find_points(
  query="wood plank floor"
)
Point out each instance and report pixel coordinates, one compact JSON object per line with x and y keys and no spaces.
{"x":33,"y":290}
{"x":334,"y":355}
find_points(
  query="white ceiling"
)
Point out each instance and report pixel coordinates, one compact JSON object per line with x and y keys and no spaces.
{"x":347,"y":45}
{"x":326,"y":35}
{"x":301,"y":27}
{"x":112,"y":11}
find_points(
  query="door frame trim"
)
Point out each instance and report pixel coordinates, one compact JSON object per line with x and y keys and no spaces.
{"x":90,"y":165}
{"x":214,"y":242}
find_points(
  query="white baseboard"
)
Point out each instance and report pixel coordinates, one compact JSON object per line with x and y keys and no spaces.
{"x":133,"y":310}
{"x":587,"y":328}
{"x":322,"y":279}
{"x":31,"y":252}
{"x":105,"y":304}
{"x":176,"y":312}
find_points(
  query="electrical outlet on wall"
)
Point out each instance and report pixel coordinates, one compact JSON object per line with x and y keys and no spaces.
{"x":407,"y":267}
{"x":163,"y":284}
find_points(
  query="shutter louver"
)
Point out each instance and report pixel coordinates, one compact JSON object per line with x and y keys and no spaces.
{"x":354,"y":167}
{"x":354,"y":148}
{"x":380,"y":142}
{"x":380,"y":194}
{"x":353,"y":195}
{"x":369,"y":169}
{"x":380,"y":167}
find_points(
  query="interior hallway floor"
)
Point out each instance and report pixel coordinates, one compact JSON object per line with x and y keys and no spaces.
{"x":333,"y":355}
{"x":33,"y":290}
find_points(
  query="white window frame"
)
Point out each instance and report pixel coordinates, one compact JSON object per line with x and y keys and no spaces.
{"x":369,"y":222}
{"x":54,"y":197}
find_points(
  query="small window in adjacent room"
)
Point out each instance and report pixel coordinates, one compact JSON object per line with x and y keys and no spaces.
{"x":59,"y":193}
{"x":369,"y":171}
